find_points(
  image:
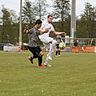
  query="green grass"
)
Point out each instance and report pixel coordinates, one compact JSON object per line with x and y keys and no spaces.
{"x":71,"y":75}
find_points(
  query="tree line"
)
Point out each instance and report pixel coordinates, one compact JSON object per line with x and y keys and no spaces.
{"x":60,"y":9}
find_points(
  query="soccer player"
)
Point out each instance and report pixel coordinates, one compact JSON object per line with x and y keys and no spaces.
{"x":58,"y":39}
{"x":49,"y":41}
{"x":34,"y":42}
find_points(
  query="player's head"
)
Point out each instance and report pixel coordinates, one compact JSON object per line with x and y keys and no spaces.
{"x":50,"y":18}
{"x":38,"y":23}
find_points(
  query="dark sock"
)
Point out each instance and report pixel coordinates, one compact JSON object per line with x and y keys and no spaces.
{"x":59,"y":52}
{"x":39,"y":60}
{"x":56,"y":52}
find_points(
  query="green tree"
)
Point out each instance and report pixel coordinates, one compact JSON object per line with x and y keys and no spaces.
{"x":61,"y":10}
{"x":6,"y":21}
{"x":40,"y":7}
{"x":34,"y":9}
{"x":28,"y":12}
{"x":86,"y":25}
{"x":9,"y":30}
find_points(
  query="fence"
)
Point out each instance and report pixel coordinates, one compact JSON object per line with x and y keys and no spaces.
{"x":81,"y":41}
{"x":81,"y":44}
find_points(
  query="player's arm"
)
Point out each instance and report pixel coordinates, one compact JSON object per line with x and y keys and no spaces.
{"x":43,"y":30}
{"x":59,"y":33}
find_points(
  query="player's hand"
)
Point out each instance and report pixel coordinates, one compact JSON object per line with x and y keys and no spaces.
{"x":26,"y":29}
{"x":46,"y":30}
{"x":64,"y":33}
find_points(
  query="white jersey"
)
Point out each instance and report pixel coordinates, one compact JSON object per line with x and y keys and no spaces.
{"x":47,"y":25}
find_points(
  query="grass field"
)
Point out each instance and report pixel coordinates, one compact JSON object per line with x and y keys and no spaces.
{"x":70,"y":75}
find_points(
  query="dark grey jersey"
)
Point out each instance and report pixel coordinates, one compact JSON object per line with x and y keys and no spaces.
{"x":34,"y":40}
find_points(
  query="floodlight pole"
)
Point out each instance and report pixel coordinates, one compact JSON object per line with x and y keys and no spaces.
{"x":20,"y":26}
{"x":73,"y":20}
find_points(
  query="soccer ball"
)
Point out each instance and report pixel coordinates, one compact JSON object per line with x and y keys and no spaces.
{"x":62,"y":45}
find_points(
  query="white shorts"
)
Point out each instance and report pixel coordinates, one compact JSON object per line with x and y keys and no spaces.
{"x":45,"y":39}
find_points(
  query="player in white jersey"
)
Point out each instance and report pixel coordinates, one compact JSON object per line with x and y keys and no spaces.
{"x":49,"y":41}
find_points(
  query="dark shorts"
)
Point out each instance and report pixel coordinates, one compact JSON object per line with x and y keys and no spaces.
{"x":57,"y":46}
{"x":35,"y":50}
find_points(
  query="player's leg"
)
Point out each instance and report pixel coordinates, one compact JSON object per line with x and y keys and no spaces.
{"x":57,"y":49}
{"x":34,"y":51}
{"x":31,"y":57}
{"x":39,"y":56}
{"x":52,"y":47}
{"x":59,"y":52}
{"x":51,"y":50}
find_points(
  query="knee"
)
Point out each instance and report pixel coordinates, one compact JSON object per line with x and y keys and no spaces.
{"x":54,"y":42}
{"x":41,"y":53}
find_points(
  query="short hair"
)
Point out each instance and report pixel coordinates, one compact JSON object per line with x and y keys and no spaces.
{"x":38,"y":22}
{"x":49,"y":16}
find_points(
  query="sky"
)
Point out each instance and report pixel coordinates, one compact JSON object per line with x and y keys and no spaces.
{"x":14,"y":5}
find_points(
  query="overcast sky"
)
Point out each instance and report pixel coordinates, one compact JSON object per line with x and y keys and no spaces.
{"x":14,"y":5}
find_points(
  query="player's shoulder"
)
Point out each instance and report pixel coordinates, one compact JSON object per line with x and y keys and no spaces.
{"x":44,"y":22}
{"x":31,"y":30}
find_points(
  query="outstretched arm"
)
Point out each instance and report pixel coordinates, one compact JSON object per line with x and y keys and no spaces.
{"x":59,"y":33}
